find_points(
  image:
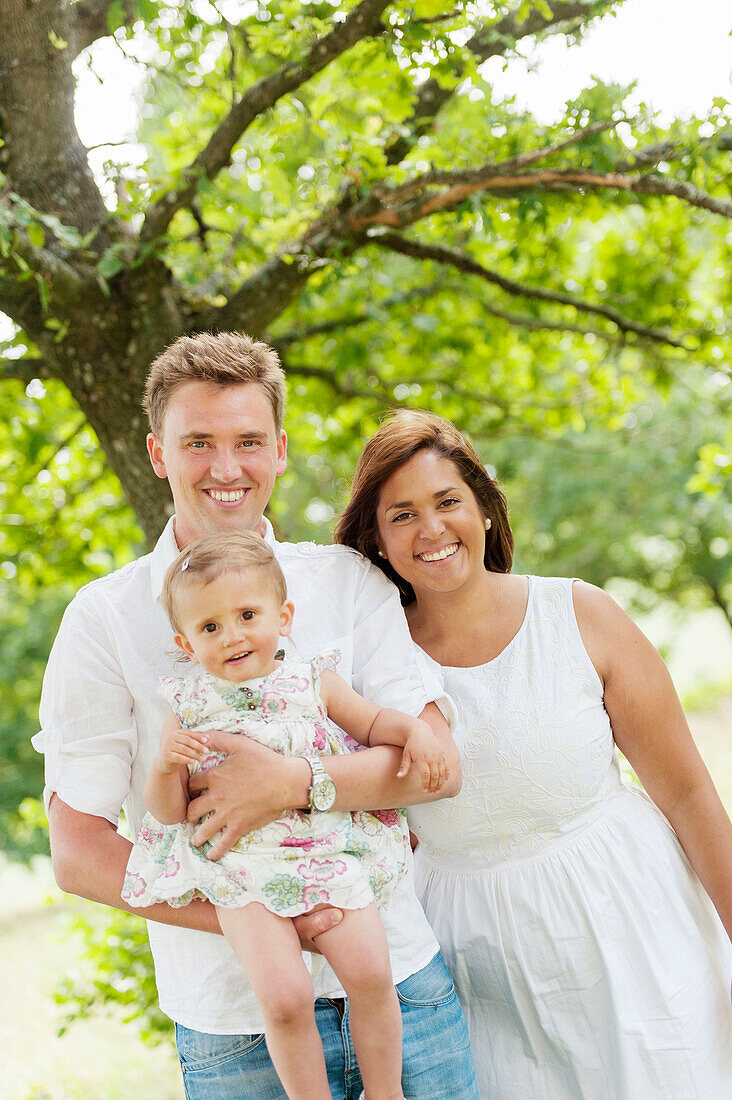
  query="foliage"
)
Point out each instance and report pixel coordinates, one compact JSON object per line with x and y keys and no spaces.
{"x":629,"y":504}
{"x":65,"y":521}
{"x":118,"y":949}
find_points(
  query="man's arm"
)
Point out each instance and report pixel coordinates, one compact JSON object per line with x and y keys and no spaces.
{"x":90,"y":858}
{"x":254,"y":785}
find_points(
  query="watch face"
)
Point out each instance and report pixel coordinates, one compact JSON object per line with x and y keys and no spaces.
{"x":323,"y":795}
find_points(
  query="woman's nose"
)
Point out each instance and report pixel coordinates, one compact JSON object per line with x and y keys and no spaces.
{"x":432,"y":526}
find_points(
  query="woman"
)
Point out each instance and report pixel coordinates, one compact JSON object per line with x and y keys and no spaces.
{"x":587,"y":955}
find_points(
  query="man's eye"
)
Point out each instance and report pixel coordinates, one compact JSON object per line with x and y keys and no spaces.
{"x":198,"y":444}
{"x":247,"y":442}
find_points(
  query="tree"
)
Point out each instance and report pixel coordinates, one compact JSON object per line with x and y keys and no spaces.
{"x":634,"y":505}
{"x":337,"y":178}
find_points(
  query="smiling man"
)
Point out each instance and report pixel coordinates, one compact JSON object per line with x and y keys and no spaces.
{"x":215,"y":405}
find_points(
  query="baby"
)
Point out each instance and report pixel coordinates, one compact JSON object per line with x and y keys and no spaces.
{"x":227,"y":601}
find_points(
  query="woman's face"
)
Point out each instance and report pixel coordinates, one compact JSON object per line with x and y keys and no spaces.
{"x":431,"y":528}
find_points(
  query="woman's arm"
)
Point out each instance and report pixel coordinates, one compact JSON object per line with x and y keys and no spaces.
{"x":254,"y":785}
{"x":650,"y":729}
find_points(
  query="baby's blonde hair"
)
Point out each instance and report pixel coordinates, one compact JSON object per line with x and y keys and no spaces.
{"x":213,"y":555}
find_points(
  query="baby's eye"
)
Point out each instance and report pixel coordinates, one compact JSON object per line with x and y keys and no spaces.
{"x":209,"y":628}
{"x":247,"y":615}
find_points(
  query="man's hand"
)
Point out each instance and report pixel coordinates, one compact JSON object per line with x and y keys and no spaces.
{"x":251,"y":788}
{"x":309,"y":925}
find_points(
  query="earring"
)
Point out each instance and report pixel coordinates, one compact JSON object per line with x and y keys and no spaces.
{"x":488,"y":523}
{"x":381,"y":553}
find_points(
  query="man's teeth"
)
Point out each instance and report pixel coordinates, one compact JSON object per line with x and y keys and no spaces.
{"x":439,"y":555}
{"x":232,"y":494}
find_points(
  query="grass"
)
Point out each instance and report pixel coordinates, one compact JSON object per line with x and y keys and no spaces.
{"x":98,"y":1058}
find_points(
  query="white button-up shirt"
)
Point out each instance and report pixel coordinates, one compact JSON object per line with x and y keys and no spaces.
{"x":101,"y":716}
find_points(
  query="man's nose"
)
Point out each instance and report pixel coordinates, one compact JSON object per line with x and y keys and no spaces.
{"x":224,"y":466}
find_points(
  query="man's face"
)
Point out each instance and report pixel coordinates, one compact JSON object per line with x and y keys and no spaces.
{"x":221,"y":453}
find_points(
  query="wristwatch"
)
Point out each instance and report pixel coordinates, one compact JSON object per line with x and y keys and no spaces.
{"x":322,"y":793}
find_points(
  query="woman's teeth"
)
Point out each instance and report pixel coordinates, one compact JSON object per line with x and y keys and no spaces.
{"x":440,"y":555}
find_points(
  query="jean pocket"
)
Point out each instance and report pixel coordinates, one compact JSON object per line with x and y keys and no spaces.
{"x":200,"y":1051}
{"x":432,"y":985}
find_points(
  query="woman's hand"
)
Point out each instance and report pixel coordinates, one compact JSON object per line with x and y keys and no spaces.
{"x":251,"y":788}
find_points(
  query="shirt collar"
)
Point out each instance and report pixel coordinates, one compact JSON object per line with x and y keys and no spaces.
{"x":166,"y":551}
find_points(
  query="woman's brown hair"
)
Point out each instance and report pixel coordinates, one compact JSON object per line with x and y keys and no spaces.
{"x":398,"y":440}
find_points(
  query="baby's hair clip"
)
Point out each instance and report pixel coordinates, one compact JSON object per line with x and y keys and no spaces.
{"x":185,"y":564}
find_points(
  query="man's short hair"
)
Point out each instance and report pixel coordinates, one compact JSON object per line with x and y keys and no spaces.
{"x":224,"y":359}
{"x":214,"y":555}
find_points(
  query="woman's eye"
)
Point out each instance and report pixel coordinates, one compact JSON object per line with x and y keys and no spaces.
{"x":450,"y":500}
{"x":401,"y":516}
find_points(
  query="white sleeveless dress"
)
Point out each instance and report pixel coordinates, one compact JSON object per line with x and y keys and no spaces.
{"x":589,"y":960}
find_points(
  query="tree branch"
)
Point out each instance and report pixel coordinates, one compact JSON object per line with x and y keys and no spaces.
{"x":56,"y":449}
{"x":91,"y":21}
{"x":24,"y":370}
{"x":398,"y":207}
{"x":494,"y":40}
{"x":296,"y":336}
{"x":344,"y":387}
{"x":463,"y":262}
{"x":521,"y":160}
{"x":361,"y":22}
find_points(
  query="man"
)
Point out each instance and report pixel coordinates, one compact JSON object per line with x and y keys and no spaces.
{"x":215,"y":405}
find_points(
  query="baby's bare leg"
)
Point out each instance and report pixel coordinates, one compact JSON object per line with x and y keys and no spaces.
{"x":358,"y":952}
{"x":269,"y":950}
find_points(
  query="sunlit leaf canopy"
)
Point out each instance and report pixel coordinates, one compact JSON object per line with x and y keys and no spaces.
{"x":341,"y":180}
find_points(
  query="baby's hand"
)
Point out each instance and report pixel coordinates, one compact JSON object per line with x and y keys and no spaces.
{"x":179,"y":746}
{"x":423,"y":749}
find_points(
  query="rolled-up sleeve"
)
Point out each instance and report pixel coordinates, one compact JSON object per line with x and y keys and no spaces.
{"x":388,"y":667}
{"x":88,"y":734}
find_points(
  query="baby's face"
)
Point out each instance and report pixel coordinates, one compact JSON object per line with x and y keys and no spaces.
{"x":232,"y":626}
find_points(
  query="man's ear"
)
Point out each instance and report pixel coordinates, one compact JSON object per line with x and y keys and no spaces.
{"x":155,"y":451}
{"x":286,"y":613}
{"x":182,"y":642}
{"x":281,"y":453}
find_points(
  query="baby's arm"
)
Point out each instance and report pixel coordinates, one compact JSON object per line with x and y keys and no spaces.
{"x":166,"y":789}
{"x":372,"y":725}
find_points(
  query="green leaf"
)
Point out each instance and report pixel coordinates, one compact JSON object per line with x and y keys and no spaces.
{"x":36,"y":235}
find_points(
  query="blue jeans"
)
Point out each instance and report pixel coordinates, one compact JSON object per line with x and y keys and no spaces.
{"x":437,"y":1060}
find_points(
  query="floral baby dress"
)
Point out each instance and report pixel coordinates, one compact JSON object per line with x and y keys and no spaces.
{"x":301,"y":860}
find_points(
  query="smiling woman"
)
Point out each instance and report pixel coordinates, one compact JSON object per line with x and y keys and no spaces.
{"x":586,"y":951}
